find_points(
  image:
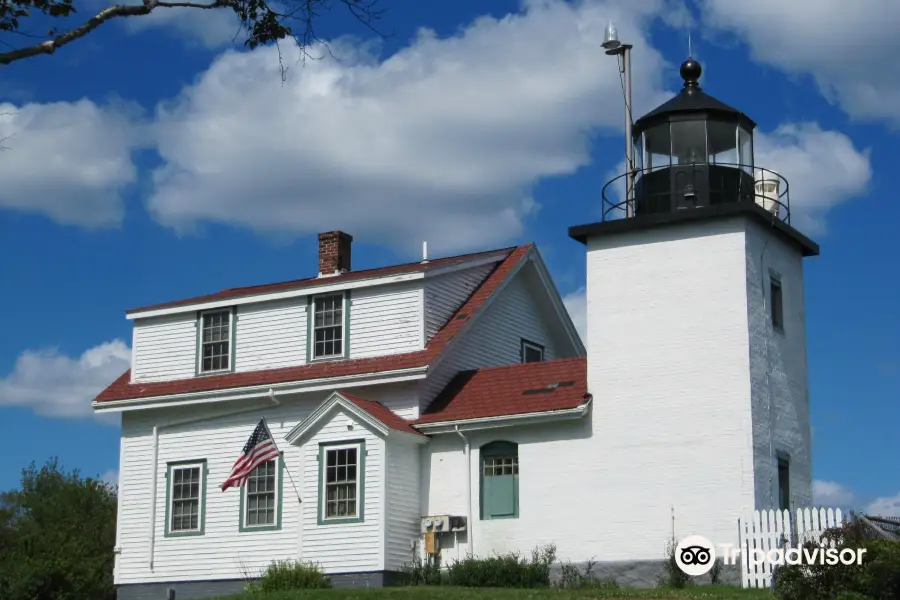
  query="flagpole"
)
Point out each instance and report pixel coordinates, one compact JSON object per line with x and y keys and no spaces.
{"x":283,"y":462}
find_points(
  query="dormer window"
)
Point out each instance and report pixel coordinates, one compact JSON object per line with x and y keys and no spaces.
{"x":531,"y":352}
{"x":328,"y":326}
{"x":215,"y":341}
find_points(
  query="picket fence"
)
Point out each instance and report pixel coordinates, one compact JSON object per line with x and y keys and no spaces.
{"x":769,"y":529}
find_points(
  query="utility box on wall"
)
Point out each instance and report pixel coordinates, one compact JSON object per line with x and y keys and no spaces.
{"x":443,"y":524}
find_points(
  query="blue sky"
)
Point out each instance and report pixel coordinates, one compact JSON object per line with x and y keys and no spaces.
{"x":155,"y":160}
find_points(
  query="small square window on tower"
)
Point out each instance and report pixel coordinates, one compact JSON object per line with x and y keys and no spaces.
{"x":776,"y":303}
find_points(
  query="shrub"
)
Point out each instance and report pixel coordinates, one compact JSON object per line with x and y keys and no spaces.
{"x":509,"y":570}
{"x":672,"y":575}
{"x":571,"y":577}
{"x":877,"y":578}
{"x":419,"y":572}
{"x":715,"y":573}
{"x":286,"y":575}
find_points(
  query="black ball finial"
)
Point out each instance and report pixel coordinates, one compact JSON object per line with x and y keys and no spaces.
{"x":690,"y":72}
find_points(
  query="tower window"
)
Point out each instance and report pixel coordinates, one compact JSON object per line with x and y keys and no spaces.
{"x":776,"y":301}
{"x":784,"y":483}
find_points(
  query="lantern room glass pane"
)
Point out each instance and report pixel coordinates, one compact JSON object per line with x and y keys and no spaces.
{"x":746,"y":143}
{"x":688,"y":142}
{"x":722,"y":142}
{"x":657,"y":147}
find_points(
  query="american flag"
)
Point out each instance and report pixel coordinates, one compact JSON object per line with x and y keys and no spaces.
{"x":258,"y":449}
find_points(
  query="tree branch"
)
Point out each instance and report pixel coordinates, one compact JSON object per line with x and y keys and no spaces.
{"x":107,"y":14}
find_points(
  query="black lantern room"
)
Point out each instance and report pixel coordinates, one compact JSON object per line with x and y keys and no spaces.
{"x":693,"y":151}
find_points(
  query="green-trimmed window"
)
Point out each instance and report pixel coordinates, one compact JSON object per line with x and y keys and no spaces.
{"x":261,"y":497}
{"x":185,"y":497}
{"x":328,"y":325}
{"x":499,"y":480}
{"x":342,"y":486}
{"x":215,"y":341}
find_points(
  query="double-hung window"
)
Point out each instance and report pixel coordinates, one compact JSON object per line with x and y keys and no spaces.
{"x":215,"y":341}
{"x":186,"y":498}
{"x":261,"y":497}
{"x":328,"y":335}
{"x":342,"y":476}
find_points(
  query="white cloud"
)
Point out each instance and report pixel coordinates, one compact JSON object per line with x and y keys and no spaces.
{"x":55,"y":385}
{"x":823,"y":169}
{"x":888,"y":506}
{"x":69,"y":161}
{"x":576,"y":304}
{"x":440,"y":141}
{"x":830,"y":494}
{"x":209,"y":28}
{"x":849,"y":48}
{"x":111,"y":477}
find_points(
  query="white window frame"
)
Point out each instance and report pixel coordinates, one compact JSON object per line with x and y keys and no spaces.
{"x":526,"y":345}
{"x":312,"y":327}
{"x":170,"y":496}
{"x":245,"y":491}
{"x":231,"y":338}
{"x":360,"y":465}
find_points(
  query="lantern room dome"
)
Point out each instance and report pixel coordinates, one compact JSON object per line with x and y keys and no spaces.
{"x":696,"y":152}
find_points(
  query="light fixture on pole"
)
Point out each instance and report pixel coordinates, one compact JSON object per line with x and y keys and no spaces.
{"x":615,"y":48}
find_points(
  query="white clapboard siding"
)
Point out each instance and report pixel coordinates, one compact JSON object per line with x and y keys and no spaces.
{"x":385,"y":320}
{"x":444,"y":295}
{"x":402,"y":521}
{"x":766,"y":530}
{"x":401,"y":398}
{"x":346,"y":547}
{"x":495,"y":338}
{"x":270,"y":335}
{"x":223,"y":552}
{"x":164,"y":348}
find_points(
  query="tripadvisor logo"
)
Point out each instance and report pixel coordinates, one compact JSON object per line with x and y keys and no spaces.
{"x":696,"y":555}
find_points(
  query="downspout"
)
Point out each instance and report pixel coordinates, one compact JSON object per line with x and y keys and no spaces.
{"x":467,"y":448}
{"x":153,"y":485}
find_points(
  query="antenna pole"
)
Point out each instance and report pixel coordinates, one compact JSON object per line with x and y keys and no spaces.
{"x":629,"y":146}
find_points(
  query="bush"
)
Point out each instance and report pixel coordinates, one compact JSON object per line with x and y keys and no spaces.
{"x":286,"y":575}
{"x":420,"y":572}
{"x":505,"y":571}
{"x":672,"y":575}
{"x":877,"y":578}
{"x":571,"y":577}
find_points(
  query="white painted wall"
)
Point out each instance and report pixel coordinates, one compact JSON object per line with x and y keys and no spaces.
{"x":347,"y":547}
{"x":164,"y":348}
{"x":224,"y":552}
{"x":444,"y":294}
{"x":668,"y":366}
{"x":402,"y":504}
{"x":269,"y":335}
{"x":778,"y":369}
{"x":386,"y":320}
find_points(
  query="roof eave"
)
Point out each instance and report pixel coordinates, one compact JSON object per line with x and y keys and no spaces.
{"x":256,"y":391}
{"x":477,"y":424}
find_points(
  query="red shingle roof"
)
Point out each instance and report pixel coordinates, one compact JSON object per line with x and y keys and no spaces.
{"x":122,"y":389}
{"x":382,"y":413}
{"x":511,"y":390}
{"x":297,"y":284}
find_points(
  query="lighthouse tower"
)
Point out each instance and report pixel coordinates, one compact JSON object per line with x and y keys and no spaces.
{"x":696,"y":333}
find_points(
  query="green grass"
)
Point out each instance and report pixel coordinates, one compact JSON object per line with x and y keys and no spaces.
{"x":455,"y":593}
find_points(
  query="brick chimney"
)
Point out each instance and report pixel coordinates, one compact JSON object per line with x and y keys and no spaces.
{"x":334,"y":253}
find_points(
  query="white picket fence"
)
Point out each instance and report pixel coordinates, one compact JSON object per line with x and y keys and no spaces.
{"x":769,"y":529}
